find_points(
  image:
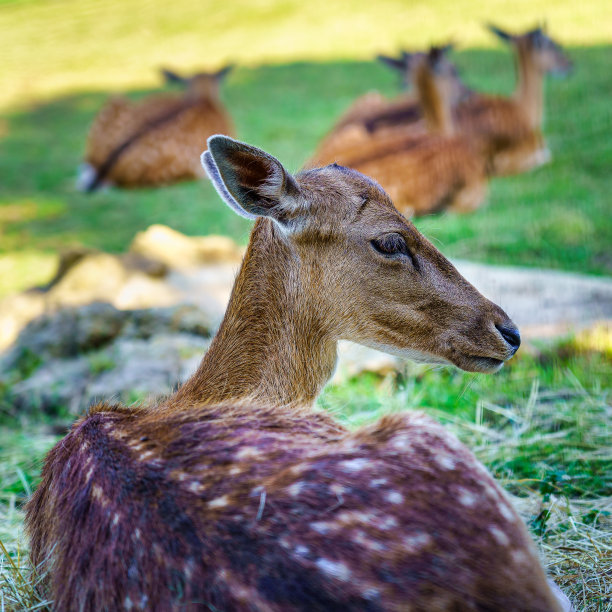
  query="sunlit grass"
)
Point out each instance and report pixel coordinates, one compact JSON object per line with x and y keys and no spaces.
{"x":69,"y":45}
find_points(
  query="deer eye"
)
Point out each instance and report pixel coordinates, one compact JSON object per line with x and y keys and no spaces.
{"x":390,"y":245}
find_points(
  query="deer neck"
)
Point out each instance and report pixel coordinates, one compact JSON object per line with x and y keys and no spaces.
{"x":530,"y":89}
{"x":435,"y":106}
{"x":272,"y":345}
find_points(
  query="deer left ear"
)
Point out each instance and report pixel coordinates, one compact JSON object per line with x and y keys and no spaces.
{"x":172,"y":77}
{"x":221,"y":74}
{"x":505,"y":36}
{"x":251,"y":182}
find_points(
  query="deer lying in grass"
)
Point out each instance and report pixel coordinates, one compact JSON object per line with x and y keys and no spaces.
{"x":369,"y":106}
{"x":373,"y":116}
{"x":508,"y":131}
{"x":422,"y":172}
{"x":235,"y":494}
{"x":157,"y":140}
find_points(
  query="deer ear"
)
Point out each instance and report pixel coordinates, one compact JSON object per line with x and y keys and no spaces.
{"x":505,"y":36}
{"x":251,"y":182}
{"x":172,"y":77}
{"x":221,"y":74}
{"x":393,"y":62}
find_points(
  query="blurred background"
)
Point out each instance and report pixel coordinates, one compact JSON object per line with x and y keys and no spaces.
{"x":541,"y":425}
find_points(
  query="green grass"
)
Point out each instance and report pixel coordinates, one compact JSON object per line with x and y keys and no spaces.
{"x":541,"y":425}
{"x":557,"y":216}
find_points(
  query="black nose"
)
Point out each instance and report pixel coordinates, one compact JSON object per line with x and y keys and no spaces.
{"x":510,"y":335}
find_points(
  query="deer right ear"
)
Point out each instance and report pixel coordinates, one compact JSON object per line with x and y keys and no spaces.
{"x":172,"y":77}
{"x":251,"y":182}
{"x":393,"y":62}
{"x":505,"y":36}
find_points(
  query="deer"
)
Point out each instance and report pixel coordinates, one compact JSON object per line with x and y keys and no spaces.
{"x":508,"y":130}
{"x":155,"y":141}
{"x":372,"y":115}
{"x":426,"y":171}
{"x":236,"y":493}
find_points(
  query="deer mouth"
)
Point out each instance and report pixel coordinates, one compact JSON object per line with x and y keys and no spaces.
{"x":484,"y":365}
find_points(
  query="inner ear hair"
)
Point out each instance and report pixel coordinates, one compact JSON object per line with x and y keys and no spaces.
{"x":254,"y":180}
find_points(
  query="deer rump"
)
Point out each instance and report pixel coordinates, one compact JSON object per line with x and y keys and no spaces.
{"x":180,"y":514}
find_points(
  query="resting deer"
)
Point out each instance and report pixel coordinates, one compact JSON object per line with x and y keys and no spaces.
{"x":235,"y":494}
{"x":422,"y":172}
{"x":373,"y":116}
{"x":509,"y":130}
{"x":157,"y":140}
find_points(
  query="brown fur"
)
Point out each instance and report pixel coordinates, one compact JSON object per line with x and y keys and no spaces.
{"x":426,"y":170}
{"x":234,"y":494}
{"x":508,"y":131}
{"x":164,"y":134}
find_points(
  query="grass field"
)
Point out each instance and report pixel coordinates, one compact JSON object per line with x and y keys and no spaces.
{"x":542,"y":425}
{"x":557,"y":216}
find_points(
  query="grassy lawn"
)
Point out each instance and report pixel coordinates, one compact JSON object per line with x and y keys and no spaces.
{"x":557,"y":216}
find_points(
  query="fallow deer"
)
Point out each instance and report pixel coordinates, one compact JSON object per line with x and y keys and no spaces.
{"x":426,"y":171}
{"x":508,"y":131}
{"x":371,"y":114}
{"x":235,"y":494}
{"x":157,"y":140}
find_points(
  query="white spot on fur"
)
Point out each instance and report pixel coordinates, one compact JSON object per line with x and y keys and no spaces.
{"x":195,"y":487}
{"x":377,"y":482}
{"x":235,"y":470}
{"x":89,"y":473}
{"x":249,"y":452}
{"x":506,"y":512}
{"x":98,"y":494}
{"x":393,"y":497}
{"x":519,"y":557}
{"x":445,"y":462}
{"x":127,"y":603}
{"x":361,"y":538}
{"x":387,"y":522}
{"x":302,"y":550}
{"x":371,"y":593}
{"x":416,"y":541}
{"x":295,"y":489}
{"x":219,"y":502}
{"x":321,"y":527}
{"x":402,"y":443}
{"x":500,"y":537}
{"x":137,"y":534}
{"x":144,"y":456}
{"x":143,"y":602}
{"x":467,"y":498}
{"x":337,"y":489}
{"x":355,"y":465}
{"x":336,"y":569}
{"x":116,"y":518}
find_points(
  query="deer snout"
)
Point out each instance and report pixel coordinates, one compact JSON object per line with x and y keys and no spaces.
{"x":510,"y":333}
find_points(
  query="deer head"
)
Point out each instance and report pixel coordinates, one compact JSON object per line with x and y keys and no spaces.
{"x":545,"y":54}
{"x":200,"y":85}
{"x":352,"y":267}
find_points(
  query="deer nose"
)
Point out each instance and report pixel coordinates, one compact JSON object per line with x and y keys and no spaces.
{"x":511,"y":335}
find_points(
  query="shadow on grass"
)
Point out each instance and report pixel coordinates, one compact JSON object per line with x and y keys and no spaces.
{"x":558,"y":216}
